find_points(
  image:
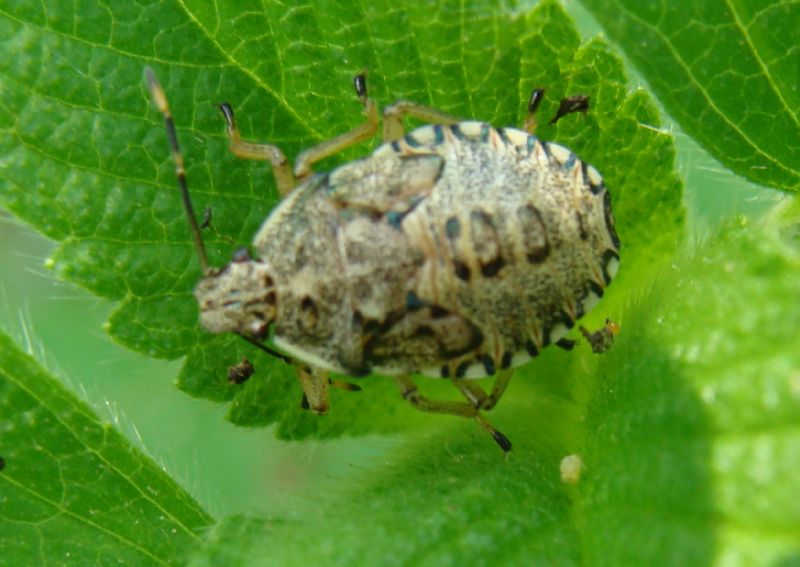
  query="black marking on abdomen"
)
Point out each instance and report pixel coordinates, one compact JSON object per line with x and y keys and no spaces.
{"x":485,"y":129}
{"x":488,"y":364}
{"x":310,"y":313}
{"x":595,"y":288}
{"x":486,"y":243}
{"x":583,"y":232}
{"x":531,"y":347}
{"x":452,"y":228}
{"x":563,"y":318}
{"x":395,"y":219}
{"x":595,"y":189}
{"x":413,"y":302}
{"x":423,"y":331}
{"x":438,"y":312}
{"x":610,"y":225}
{"x":457,"y":132}
{"x":461,"y":369}
{"x":566,"y":344}
{"x":490,"y":270}
{"x":534,"y":234}
{"x":503,"y":136}
{"x":608,"y":256}
{"x":462,"y":270}
{"x":357,"y":321}
{"x":371,"y":326}
{"x":438,"y":134}
{"x":505,"y":362}
{"x":546,"y":149}
{"x":411,"y":141}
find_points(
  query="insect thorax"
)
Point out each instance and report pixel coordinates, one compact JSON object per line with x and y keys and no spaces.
{"x":455,"y":251}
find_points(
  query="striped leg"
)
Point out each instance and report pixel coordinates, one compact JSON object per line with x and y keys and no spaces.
{"x":410,"y":392}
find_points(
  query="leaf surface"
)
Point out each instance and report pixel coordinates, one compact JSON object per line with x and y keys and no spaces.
{"x":726,"y":71}
{"x":73,"y":490}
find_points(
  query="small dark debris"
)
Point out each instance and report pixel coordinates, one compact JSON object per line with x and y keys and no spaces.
{"x":570,"y":104}
{"x":239,"y":373}
{"x":603,"y":339}
{"x":206,"y":218}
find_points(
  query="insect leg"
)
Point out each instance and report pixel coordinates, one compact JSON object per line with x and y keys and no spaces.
{"x":476,"y":395}
{"x":472,"y":391}
{"x":315,"y":388}
{"x":265,"y":152}
{"x":307,"y":158}
{"x":393,"y":118}
{"x":531,"y":123}
{"x":410,"y":392}
{"x":499,"y":388}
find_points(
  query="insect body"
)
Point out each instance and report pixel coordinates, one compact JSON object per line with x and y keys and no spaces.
{"x":455,"y":251}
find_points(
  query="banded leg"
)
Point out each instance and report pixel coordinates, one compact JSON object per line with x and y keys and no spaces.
{"x":531,"y":123}
{"x":477,"y":396}
{"x":393,"y":118}
{"x":307,"y":158}
{"x":498,"y":389}
{"x":410,"y":392}
{"x":315,"y":384}
{"x":315,"y":389}
{"x":255,"y":151}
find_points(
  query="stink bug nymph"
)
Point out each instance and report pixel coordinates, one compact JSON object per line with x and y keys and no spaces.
{"x":456,"y":251}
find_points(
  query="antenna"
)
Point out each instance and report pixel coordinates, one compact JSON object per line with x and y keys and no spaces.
{"x":160,"y":100}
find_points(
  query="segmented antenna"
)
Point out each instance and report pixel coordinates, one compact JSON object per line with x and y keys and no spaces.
{"x":160,"y":100}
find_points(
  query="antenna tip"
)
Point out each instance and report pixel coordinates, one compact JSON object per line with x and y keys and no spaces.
{"x":159,"y":98}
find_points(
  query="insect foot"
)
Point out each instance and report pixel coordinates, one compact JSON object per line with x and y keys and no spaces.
{"x":456,"y":251}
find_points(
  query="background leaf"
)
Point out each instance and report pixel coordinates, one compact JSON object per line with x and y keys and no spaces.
{"x":85,"y":158}
{"x":72,"y":490}
{"x":727,"y":72}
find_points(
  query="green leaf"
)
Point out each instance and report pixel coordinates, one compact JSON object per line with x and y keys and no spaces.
{"x":727,"y":72}
{"x":85,"y":160}
{"x":72,"y":490}
{"x":689,"y":446}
